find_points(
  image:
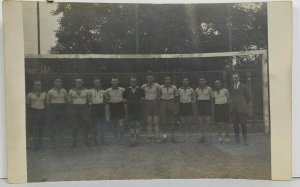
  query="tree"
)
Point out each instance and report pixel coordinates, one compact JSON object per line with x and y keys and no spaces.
{"x":113,"y":28}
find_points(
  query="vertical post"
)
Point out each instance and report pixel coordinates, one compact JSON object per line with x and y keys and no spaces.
{"x":229,"y":25}
{"x":38,"y":27}
{"x":265,"y":88}
{"x":136,"y":11}
{"x":137,"y":37}
{"x":225,"y":83}
{"x":249,"y":85}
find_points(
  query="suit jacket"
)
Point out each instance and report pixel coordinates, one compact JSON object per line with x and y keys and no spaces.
{"x":240,"y":98}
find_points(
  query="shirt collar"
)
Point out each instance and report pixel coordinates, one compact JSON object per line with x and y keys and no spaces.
{"x":205,"y":87}
{"x":150,"y":84}
{"x":187,"y":87}
{"x":115,"y":88}
{"x":170,"y":86}
{"x":97,"y":89}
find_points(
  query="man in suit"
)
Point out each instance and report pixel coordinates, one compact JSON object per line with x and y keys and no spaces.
{"x":240,"y":99}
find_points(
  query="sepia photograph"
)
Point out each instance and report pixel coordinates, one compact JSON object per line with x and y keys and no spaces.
{"x":146,"y":91}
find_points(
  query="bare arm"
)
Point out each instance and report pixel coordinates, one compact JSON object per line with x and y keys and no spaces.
{"x":48,"y":98}
{"x":228,"y":96}
{"x":70,"y":98}
{"x":28,"y":100}
{"x":193,"y":96}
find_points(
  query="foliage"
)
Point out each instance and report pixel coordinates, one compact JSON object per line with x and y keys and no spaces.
{"x":149,"y":28}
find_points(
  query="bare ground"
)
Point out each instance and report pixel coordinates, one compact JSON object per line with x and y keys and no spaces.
{"x":149,"y":161}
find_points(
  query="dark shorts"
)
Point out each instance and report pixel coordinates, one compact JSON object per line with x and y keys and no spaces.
{"x":204,"y":108}
{"x":37,"y":117}
{"x":79,"y":113}
{"x":168,"y":107}
{"x":98,"y":111}
{"x":134,"y":111}
{"x":116,"y":111}
{"x":185,"y":109}
{"x":57,"y":113}
{"x":221,"y":113}
{"x":151,"y":108}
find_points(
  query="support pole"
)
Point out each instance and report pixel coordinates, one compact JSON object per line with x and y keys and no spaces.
{"x":265,"y":85}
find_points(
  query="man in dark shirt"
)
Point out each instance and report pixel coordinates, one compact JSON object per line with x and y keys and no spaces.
{"x":133,"y":98}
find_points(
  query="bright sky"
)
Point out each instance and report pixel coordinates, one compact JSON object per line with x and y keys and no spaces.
{"x":48,"y":24}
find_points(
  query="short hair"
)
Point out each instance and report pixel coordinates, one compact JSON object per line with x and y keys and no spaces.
{"x":78,"y":79}
{"x":202,"y":77}
{"x":185,"y":78}
{"x":114,"y":78}
{"x":97,"y":79}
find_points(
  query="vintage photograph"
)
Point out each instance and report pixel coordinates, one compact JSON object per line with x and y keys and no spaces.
{"x":146,"y":91}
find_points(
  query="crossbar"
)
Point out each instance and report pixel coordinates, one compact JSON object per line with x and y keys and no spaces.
{"x":145,"y":56}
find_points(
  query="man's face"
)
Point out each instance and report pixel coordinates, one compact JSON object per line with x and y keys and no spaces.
{"x":133,"y":82}
{"x":37,"y":86}
{"x":78,"y":83}
{"x":218,"y":84}
{"x":235,"y":78}
{"x":114,"y":82}
{"x":57,"y":83}
{"x":97,"y":83}
{"x":167,"y":80}
{"x":202,"y":82}
{"x":150,"y":79}
{"x":185,"y":82}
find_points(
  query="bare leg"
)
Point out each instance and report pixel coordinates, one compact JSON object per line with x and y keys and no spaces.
{"x":202,"y":120}
{"x":156,"y":125}
{"x":183,"y":125}
{"x":137,"y":129}
{"x":121,"y":130}
{"x":220,"y":130}
{"x":132,"y":129}
{"x":149,"y":121}
{"x":226,"y":126}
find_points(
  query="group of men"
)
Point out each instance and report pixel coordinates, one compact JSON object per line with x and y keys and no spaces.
{"x":159,"y":103}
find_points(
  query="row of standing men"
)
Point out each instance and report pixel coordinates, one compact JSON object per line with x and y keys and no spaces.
{"x":87,"y":109}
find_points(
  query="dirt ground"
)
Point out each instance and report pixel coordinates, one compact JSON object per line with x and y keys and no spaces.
{"x":148,"y":161}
